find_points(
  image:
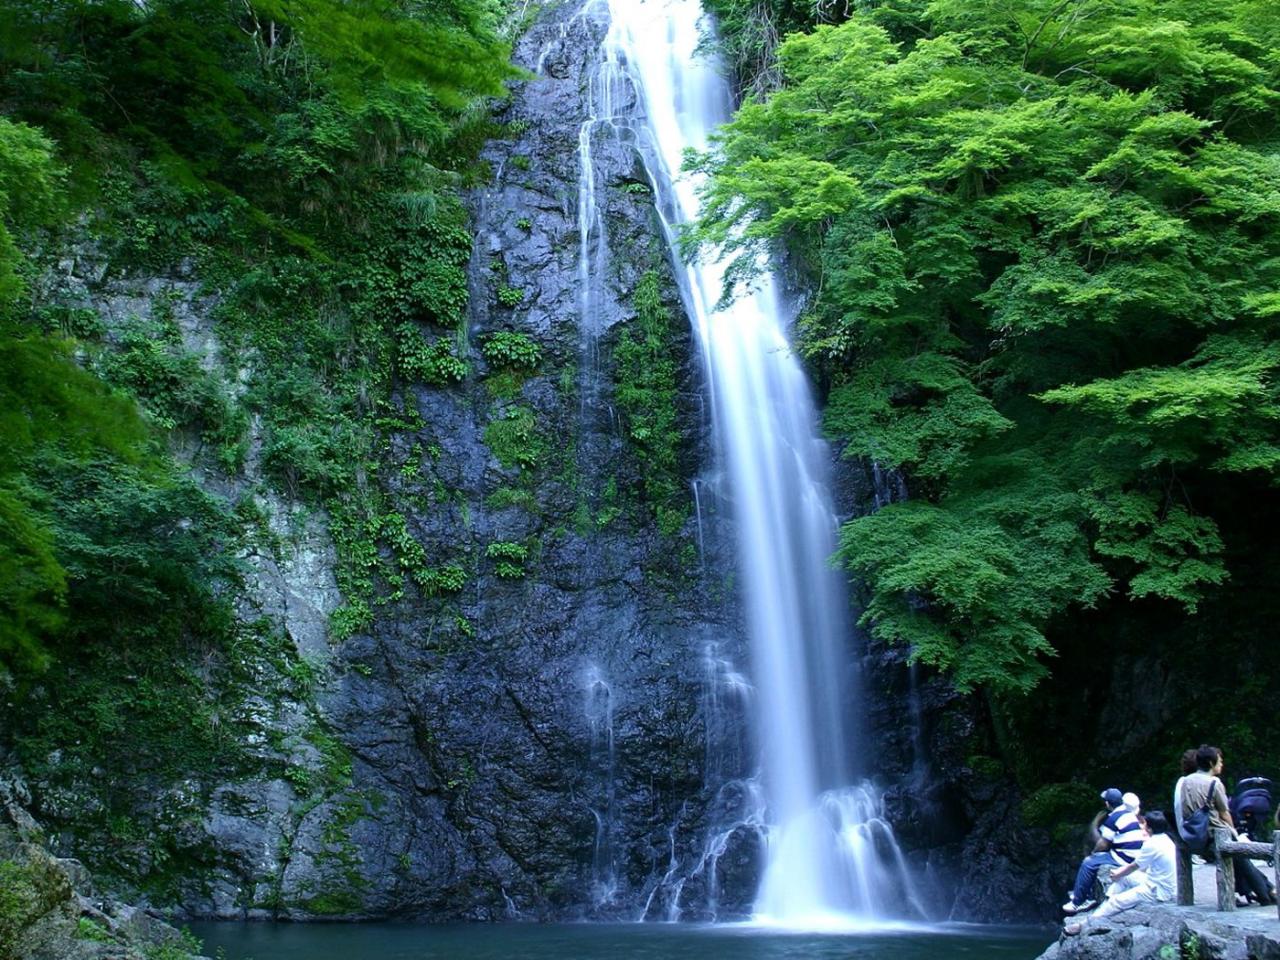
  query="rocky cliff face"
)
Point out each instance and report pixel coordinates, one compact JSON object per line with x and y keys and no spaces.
{"x":553,"y":729}
{"x":559,"y":730}
{"x":532,"y":744}
{"x":51,"y":910}
{"x":955,"y":806}
{"x":951,"y":796}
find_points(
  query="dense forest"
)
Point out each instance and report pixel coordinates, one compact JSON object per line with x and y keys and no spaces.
{"x":1037,"y":244}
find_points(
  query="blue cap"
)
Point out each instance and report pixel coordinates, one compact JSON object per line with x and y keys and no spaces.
{"x":1112,"y":797}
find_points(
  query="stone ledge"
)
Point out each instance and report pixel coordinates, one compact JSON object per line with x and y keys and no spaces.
{"x":1168,"y":932}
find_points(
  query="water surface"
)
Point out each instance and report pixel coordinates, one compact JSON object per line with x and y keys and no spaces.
{"x":386,"y":941}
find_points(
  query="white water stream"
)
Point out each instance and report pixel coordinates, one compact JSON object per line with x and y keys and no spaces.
{"x":832,"y":858}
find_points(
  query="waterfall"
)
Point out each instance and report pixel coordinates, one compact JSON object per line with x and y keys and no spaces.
{"x":831,"y":855}
{"x":599,"y":714}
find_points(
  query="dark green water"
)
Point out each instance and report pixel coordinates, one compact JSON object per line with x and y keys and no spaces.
{"x":270,"y":941}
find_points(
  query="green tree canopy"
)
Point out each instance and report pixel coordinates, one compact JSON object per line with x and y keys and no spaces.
{"x":1045,"y":243}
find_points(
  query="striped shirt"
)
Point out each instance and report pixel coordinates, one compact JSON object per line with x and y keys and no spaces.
{"x":1122,"y":830}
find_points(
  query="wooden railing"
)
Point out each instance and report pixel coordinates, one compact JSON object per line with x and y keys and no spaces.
{"x":1224,"y":846}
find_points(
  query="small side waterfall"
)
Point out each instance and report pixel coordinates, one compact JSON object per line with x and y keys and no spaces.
{"x":599,"y":713}
{"x":832,"y":858}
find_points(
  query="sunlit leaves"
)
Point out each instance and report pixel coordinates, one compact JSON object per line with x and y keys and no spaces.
{"x":1058,"y":257}
{"x":1221,"y":406}
{"x":46,"y":403}
{"x":385,"y":42}
{"x":29,"y":188}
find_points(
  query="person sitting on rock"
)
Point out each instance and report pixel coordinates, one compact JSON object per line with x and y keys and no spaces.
{"x":1150,"y":878}
{"x":1119,"y":841}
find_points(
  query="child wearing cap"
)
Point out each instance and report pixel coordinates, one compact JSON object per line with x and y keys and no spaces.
{"x":1150,"y":878}
{"x":1121,"y":838}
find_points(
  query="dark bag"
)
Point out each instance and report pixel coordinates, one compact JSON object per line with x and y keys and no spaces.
{"x":1195,"y":830}
{"x":1251,"y":806}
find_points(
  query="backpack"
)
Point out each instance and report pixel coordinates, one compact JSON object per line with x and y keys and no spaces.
{"x":1195,"y":829}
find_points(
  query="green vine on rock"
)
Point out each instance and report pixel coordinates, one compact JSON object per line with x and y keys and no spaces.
{"x":509,"y":558}
{"x":513,"y":437}
{"x":647,"y":397}
{"x":512,"y":351}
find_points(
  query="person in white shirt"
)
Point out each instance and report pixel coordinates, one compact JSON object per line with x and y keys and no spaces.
{"x":1150,"y":878}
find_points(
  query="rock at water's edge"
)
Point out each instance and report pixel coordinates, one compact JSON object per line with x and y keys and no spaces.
{"x":1167,"y":932}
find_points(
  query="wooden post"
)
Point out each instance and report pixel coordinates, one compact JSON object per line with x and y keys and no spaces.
{"x":1186,"y":882}
{"x":1225,"y":848}
{"x":1226,"y":869}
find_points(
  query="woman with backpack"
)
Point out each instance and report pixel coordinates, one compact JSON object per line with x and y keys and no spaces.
{"x":1203,"y":807}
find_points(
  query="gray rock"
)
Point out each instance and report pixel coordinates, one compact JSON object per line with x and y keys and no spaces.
{"x":1165,"y":931}
{"x":51,"y":897}
{"x":533,"y":746}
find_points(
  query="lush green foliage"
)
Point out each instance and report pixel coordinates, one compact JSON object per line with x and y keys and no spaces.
{"x":509,"y":350}
{"x":1044,"y":241}
{"x":29,"y":189}
{"x":509,"y":558}
{"x":647,"y":400}
{"x":88,"y":929}
{"x":512,"y":358}
{"x":288,"y":171}
{"x":514,"y":439}
{"x":510,"y":296}
{"x":51,"y":411}
{"x":303,"y":154}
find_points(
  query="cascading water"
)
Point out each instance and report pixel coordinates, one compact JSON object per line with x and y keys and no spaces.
{"x":599,"y":714}
{"x":831,"y":855}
